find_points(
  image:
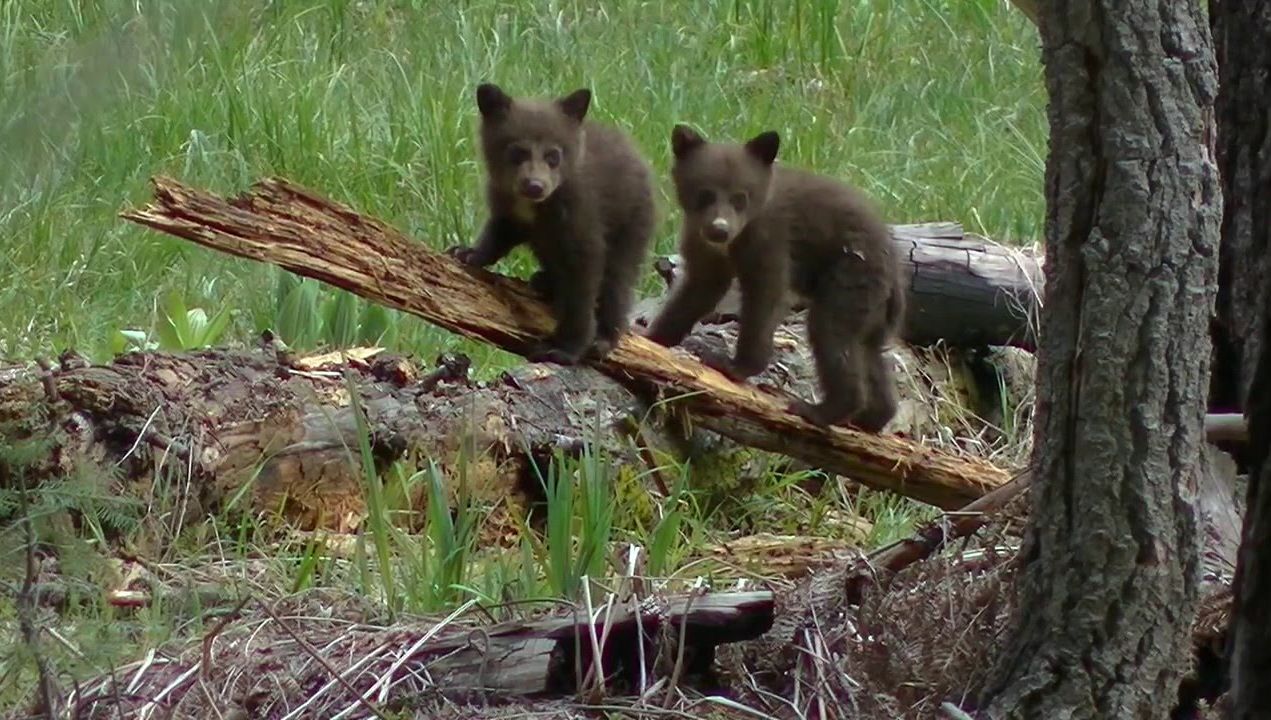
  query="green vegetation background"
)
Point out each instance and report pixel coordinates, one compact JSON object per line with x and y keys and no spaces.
{"x":935,"y":107}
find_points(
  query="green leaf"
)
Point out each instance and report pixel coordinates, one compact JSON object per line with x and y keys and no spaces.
{"x":216,"y":327}
{"x":287,"y":283}
{"x":342,"y":322}
{"x":298,"y":320}
{"x":377,"y":511}
{"x":663,"y":539}
{"x":196,"y":323}
{"x":559,"y":488}
{"x":123,"y":341}
{"x":117,"y":343}
{"x":174,"y":327}
{"x":377,"y":324}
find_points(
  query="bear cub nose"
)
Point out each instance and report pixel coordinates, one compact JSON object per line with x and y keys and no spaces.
{"x":533,"y":189}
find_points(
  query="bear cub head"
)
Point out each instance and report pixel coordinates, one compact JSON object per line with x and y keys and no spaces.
{"x":531,"y":147}
{"x":721,"y":186}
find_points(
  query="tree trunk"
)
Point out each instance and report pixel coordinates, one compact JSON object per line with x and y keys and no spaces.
{"x":1111,"y":560}
{"x":1250,"y":629}
{"x":1241,"y":33}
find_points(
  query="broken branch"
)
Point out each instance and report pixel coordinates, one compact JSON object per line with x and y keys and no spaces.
{"x":285,"y":225}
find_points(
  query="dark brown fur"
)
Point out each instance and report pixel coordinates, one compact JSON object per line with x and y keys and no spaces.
{"x":781,"y":231}
{"x":582,"y":197}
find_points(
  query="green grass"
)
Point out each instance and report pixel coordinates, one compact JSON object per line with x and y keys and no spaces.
{"x":933,"y":106}
{"x":441,"y":567}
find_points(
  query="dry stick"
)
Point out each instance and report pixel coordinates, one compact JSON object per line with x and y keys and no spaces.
{"x":317,"y":657}
{"x":210,"y":637}
{"x":283,"y":224}
{"x":1226,"y":428}
{"x":678,"y":668}
{"x":932,"y":537}
{"x":593,"y":684}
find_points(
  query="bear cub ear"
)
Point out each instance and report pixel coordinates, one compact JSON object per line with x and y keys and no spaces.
{"x":764,"y":146}
{"x":575,"y":104}
{"x":685,"y":140}
{"x":492,"y":101}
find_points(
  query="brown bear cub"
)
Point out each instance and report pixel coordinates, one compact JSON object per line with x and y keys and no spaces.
{"x":582,"y":197}
{"x":785,"y":233}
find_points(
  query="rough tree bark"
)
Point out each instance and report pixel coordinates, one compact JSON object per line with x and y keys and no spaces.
{"x":1111,"y":562}
{"x":1241,"y":31}
{"x":1241,"y":34}
{"x":1250,"y":629}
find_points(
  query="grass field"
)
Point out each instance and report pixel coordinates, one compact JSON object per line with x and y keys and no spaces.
{"x":935,"y":107}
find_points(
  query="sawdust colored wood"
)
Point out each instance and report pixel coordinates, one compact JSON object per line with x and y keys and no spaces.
{"x":280,"y":223}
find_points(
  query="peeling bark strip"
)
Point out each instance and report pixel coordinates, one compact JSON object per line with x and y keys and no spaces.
{"x":1110,"y":583}
{"x":280,"y":223}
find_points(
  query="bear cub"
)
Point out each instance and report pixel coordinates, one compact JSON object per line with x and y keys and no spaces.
{"x":581,"y":196}
{"x":785,"y":234}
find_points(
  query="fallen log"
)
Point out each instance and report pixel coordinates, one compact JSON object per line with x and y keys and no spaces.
{"x":278,"y":435}
{"x":280,"y":223}
{"x":275,"y":436}
{"x":964,"y":291}
{"x":268,"y":666}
